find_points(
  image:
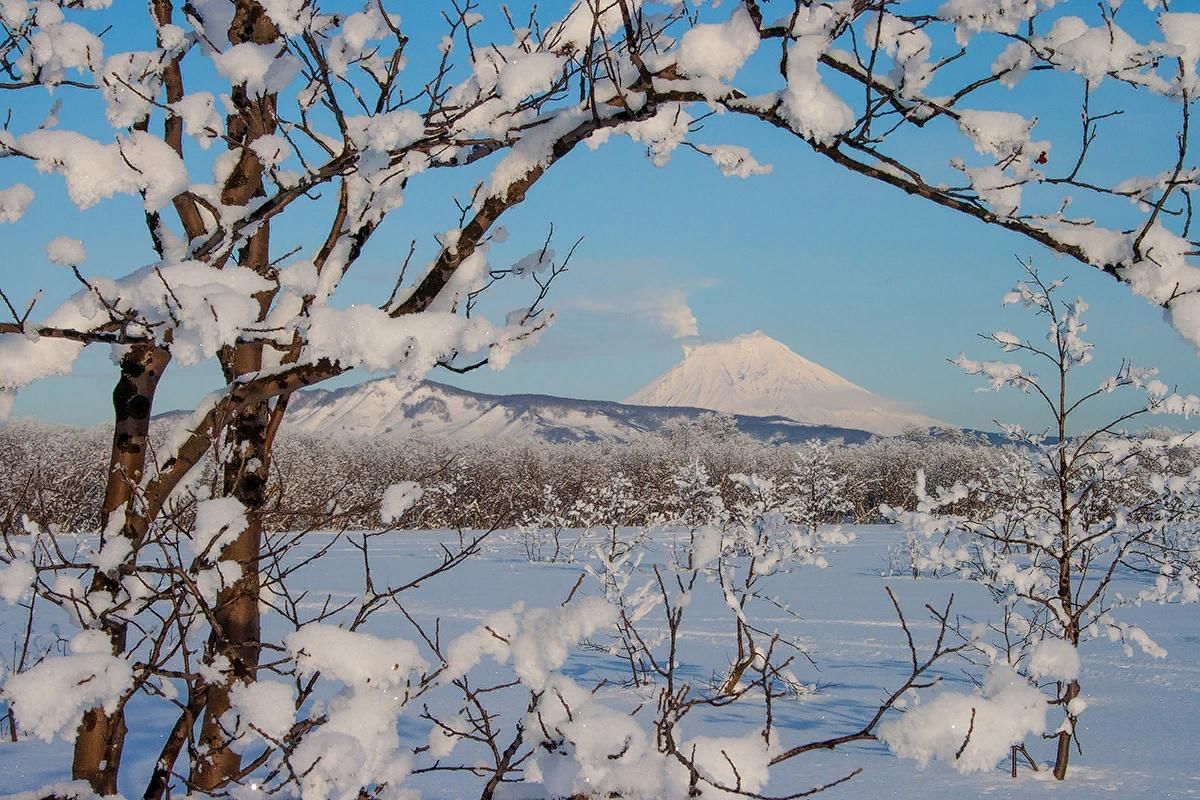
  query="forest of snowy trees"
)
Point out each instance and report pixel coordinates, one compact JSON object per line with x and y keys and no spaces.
{"x":55,"y":475}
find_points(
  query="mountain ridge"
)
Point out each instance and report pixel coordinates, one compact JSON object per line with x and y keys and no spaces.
{"x":383,"y":407}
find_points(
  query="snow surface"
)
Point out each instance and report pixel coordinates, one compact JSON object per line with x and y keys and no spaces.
{"x":755,"y":374}
{"x":1137,"y":733}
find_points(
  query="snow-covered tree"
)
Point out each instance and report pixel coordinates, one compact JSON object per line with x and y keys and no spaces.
{"x":755,"y":542}
{"x":608,"y":507}
{"x":818,"y":492}
{"x":734,"y":564}
{"x":1061,"y":517}
{"x":695,"y":501}
{"x":309,"y":105}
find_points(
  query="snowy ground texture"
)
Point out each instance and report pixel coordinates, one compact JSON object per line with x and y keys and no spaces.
{"x":1138,"y":734}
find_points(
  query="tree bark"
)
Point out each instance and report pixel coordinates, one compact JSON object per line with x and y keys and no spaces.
{"x":1065,"y":582}
{"x":160,"y":780}
{"x":236,"y":633}
{"x":100,"y":740}
{"x":1063,"y":756}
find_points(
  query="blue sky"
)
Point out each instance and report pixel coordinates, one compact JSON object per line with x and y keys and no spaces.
{"x":878,"y":286}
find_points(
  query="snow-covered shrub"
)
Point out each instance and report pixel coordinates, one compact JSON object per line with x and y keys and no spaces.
{"x":314,"y":475}
{"x":546,"y":532}
{"x":52,"y":474}
{"x":733,"y":561}
{"x":907,"y":557}
{"x":755,"y":542}
{"x":1057,"y":520}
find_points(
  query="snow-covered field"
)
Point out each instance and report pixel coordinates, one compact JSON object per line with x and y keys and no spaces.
{"x":1138,"y":734}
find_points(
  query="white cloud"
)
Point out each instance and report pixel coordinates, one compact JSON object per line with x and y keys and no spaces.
{"x":672,"y":312}
{"x":666,"y":308}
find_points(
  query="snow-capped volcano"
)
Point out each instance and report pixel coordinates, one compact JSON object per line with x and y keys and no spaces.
{"x":755,"y":374}
{"x":774,"y":394}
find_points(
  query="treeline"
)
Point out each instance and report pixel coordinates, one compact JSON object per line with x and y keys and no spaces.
{"x":477,"y":484}
{"x":56,"y":475}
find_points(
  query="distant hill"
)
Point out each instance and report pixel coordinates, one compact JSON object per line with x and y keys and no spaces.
{"x":385,"y":408}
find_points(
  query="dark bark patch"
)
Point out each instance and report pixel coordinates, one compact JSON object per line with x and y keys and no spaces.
{"x":139,"y":407}
{"x":128,"y":443}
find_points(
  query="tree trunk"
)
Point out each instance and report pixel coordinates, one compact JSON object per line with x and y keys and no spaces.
{"x":237,"y":633}
{"x":238,"y":639}
{"x":745,"y":658}
{"x":1071,"y":632}
{"x":101,"y":737}
{"x":1064,"y":737}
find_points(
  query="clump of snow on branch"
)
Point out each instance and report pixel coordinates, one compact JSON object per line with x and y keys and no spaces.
{"x":265,"y":706}
{"x":13,"y":202}
{"x":398,"y":499}
{"x":65,"y":251}
{"x":356,"y":659}
{"x":810,"y":106}
{"x":218,"y":524}
{"x":735,"y":161}
{"x":536,"y":640}
{"x":1054,"y":658}
{"x":50,"y":697}
{"x":718,"y":50}
{"x":972,"y":732}
{"x":136,"y":163}
{"x":16,"y":578}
